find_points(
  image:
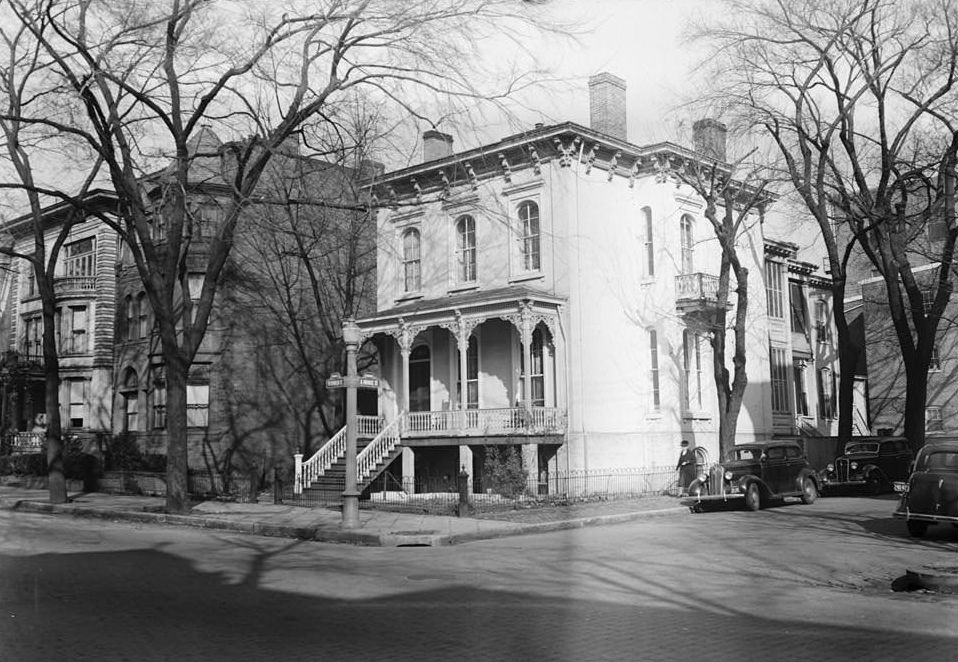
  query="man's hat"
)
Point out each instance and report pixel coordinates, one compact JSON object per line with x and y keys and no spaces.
{"x":685,"y":442}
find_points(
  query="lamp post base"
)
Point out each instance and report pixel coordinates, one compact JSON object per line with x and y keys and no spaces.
{"x":350,"y":510}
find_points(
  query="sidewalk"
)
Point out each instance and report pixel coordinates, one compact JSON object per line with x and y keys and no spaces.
{"x":376,"y":527}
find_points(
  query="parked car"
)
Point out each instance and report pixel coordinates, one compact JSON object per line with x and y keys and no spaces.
{"x":931,"y":494}
{"x":757,"y":473}
{"x":871,"y":463}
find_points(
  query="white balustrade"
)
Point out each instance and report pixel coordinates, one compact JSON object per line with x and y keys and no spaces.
{"x":368,"y":426}
{"x":487,"y":421}
{"x":381,"y":446}
{"x":323,"y":459}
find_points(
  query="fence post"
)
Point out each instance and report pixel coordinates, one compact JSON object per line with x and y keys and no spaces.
{"x":298,"y":475}
{"x":277,"y":486}
{"x":465,"y":507}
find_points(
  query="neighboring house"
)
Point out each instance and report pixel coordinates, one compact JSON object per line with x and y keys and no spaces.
{"x":541,"y":292}
{"x":247,"y":405}
{"x":85,"y":288}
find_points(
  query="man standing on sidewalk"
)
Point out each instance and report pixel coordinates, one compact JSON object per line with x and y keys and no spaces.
{"x":686,"y":468}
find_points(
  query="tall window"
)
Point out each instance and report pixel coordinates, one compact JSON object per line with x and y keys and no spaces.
{"x":826,"y":394}
{"x":537,"y":373}
{"x":78,"y":330}
{"x":773,"y":289}
{"x":143,"y":322}
{"x":77,"y":414}
{"x":195,"y":284}
{"x":649,"y":244}
{"x":472,"y":374}
{"x":801,"y":391}
{"x":131,"y":404}
{"x":934,"y":363}
{"x":780,"y":399}
{"x":159,"y":405}
{"x":131,"y":314}
{"x":687,"y":243}
{"x":796,"y":302}
{"x":654,"y":367}
{"x":466,"y":248}
{"x":79,"y":258}
{"x":411,"y":258}
{"x":33,"y":337}
{"x":692,"y":362}
{"x":529,"y":219}
{"x":197,"y":405}
{"x":823,"y":329}
{"x":933,"y":420}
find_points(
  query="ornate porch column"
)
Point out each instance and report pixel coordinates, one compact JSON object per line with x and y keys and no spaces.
{"x":462,"y":329}
{"x":525,"y":316}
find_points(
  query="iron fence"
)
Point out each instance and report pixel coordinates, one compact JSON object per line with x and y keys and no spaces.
{"x":389,"y":492}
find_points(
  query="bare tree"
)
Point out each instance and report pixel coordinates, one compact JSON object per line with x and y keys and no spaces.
{"x":143,"y":84}
{"x":859,"y":99}
{"x":24,"y":79}
{"x":731,"y":203}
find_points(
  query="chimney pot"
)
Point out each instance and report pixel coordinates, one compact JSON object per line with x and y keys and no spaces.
{"x":709,"y":138}
{"x":607,"y":110}
{"x":435,"y":145}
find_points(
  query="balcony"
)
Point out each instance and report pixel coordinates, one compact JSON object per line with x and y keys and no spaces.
{"x":74,"y":285}
{"x":696,"y":292}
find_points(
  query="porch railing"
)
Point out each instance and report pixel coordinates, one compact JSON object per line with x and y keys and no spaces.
{"x":27,"y":442}
{"x":310,"y":470}
{"x":368,"y":426}
{"x":488,"y":421}
{"x":381,"y":446}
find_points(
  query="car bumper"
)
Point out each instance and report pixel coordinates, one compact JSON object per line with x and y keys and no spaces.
{"x":923,"y":517}
{"x":826,"y":483}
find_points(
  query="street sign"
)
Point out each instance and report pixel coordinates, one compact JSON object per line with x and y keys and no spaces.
{"x":368,"y":381}
{"x":335,"y":380}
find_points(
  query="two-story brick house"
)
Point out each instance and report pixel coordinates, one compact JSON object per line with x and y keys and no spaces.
{"x":540,"y":292}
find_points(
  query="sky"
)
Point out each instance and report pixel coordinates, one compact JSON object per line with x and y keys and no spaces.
{"x":640,"y":41}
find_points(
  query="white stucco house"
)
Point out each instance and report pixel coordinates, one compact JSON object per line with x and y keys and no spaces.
{"x":559,"y":271}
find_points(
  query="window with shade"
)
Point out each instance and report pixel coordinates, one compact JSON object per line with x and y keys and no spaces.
{"x":692,"y":364}
{"x":686,"y":228}
{"x":827,"y":405}
{"x":779,"y":381}
{"x":466,"y":249}
{"x":773,"y":289}
{"x":197,"y":405}
{"x":159,"y":405}
{"x":130,"y":393}
{"x":77,"y":412}
{"x":411,"y":258}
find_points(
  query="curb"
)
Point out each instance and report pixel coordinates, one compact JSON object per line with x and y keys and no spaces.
{"x":318,"y":534}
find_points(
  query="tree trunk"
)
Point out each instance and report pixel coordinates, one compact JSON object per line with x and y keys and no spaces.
{"x":56,"y":480}
{"x":916,"y":396}
{"x":177,"y":450}
{"x":848,"y":354}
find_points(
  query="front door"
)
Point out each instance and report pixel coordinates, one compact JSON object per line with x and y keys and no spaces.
{"x":420,"y":373}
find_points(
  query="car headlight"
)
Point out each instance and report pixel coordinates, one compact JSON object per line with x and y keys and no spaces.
{"x":728,"y":475}
{"x":830,"y":468}
{"x":854,"y":465}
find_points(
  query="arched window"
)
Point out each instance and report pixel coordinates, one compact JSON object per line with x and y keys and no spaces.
{"x":648,"y":242}
{"x":466,"y":248}
{"x":130,"y":393}
{"x":687,"y":243}
{"x":529,"y":220}
{"x":411,"y":257}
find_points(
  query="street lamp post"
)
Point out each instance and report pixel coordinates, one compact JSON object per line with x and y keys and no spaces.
{"x":351,"y":336}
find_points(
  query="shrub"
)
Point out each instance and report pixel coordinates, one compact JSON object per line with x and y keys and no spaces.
{"x":123,"y":454}
{"x":26,"y":464}
{"x":504,"y":471}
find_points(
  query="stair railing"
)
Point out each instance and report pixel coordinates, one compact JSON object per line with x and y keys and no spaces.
{"x":382,"y":445}
{"x":320,"y":462}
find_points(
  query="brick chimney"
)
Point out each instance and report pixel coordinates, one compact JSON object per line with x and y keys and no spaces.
{"x":607,"y":105}
{"x":435,"y":145}
{"x":709,"y":138}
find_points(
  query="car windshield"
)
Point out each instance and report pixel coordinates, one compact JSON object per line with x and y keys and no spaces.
{"x":861,"y":447}
{"x":942,"y":460}
{"x":746,"y":453}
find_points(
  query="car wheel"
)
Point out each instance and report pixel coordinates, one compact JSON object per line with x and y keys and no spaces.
{"x":809,"y":491}
{"x":753,"y":497}
{"x":917,"y":529}
{"x":875,"y":485}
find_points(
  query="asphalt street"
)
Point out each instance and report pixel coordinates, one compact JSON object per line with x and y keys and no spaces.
{"x":786,"y":583}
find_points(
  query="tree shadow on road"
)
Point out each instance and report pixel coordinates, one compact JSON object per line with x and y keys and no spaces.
{"x":149,"y":604}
